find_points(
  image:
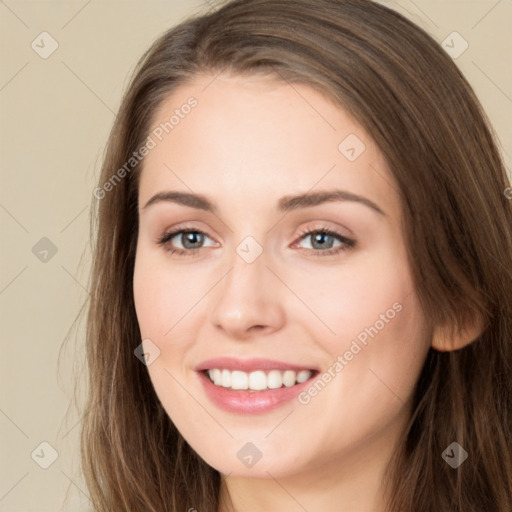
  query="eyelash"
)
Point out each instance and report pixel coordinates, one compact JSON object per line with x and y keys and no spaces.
{"x":347,"y":242}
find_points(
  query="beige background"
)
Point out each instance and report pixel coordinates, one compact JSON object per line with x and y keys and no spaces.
{"x":56,"y":114}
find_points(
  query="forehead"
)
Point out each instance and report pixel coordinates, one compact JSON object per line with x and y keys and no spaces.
{"x":249,"y":138}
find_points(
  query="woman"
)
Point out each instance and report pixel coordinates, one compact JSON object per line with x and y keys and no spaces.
{"x":337,"y":335}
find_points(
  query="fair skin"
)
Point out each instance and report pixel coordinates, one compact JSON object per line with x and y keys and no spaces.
{"x":248,"y":143}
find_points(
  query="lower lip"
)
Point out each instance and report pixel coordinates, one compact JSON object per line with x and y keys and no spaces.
{"x":250,"y":402}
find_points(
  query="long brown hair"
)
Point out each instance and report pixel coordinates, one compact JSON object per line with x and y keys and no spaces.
{"x":408,"y":94}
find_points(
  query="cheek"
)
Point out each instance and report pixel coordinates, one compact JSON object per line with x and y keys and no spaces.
{"x":377,"y":327}
{"x":354,"y":296}
{"x":399,"y":354}
{"x":375,"y":360}
{"x":163,"y":293}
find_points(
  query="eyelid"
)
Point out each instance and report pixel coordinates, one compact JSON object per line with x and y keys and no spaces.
{"x":346,"y":242}
{"x":169,"y":234}
{"x":324,"y":225}
{"x":183,"y":226}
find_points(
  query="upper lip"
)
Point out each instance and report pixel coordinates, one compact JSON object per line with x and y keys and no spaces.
{"x":248,"y":365}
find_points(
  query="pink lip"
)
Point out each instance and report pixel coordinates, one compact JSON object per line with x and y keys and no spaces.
{"x":248,"y":365}
{"x":249,"y":402}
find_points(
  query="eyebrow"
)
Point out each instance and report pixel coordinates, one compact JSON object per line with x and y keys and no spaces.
{"x":285,"y":204}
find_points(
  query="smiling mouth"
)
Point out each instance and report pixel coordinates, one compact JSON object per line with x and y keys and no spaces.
{"x":259,"y":380}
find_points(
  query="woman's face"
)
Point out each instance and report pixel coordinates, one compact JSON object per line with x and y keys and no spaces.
{"x":326,"y":328}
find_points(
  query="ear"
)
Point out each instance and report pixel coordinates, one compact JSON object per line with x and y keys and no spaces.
{"x":446,"y":338}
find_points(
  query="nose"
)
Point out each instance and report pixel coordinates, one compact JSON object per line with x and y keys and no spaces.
{"x":248,"y":302}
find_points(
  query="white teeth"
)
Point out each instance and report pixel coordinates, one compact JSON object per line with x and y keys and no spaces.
{"x":289,"y":378}
{"x":274,"y":379}
{"x":226,"y":379}
{"x":216,"y":377}
{"x":239,"y":380}
{"x":257,"y":380}
{"x":303,"y":376}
